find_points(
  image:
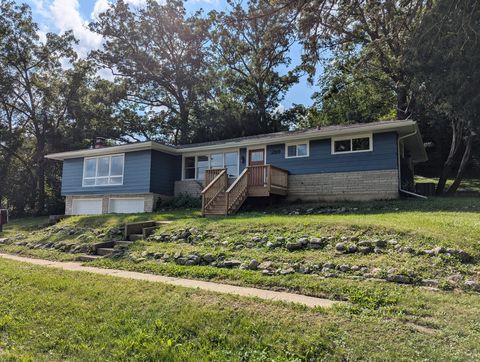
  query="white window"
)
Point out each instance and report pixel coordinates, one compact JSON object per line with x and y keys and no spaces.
{"x":194,"y":167}
{"x":103,"y":170}
{"x":352,"y":144}
{"x":189,"y":168}
{"x":294,"y":150}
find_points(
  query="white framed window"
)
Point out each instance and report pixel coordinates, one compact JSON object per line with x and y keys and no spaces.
{"x":294,"y":150}
{"x":361,"y":143}
{"x":194,"y":167}
{"x":103,"y":170}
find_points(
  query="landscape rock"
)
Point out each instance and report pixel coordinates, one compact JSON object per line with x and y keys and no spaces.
{"x":464,"y":256}
{"x":344,"y":268}
{"x":454,"y":279}
{"x":232,"y":263}
{"x":381,"y":243}
{"x":329,"y":266}
{"x":287,"y":271}
{"x":294,"y":246}
{"x":365,"y":249}
{"x":208,"y":258}
{"x":399,"y":278}
{"x":253,"y":265}
{"x":316,"y":243}
{"x":265,"y":265}
{"x":473,"y":285}
{"x":439,"y":250}
{"x":429,"y":282}
{"x":352,"y":248}
{"x":341,"y":247}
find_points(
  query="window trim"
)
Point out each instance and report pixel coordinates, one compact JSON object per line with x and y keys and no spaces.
{"x":351,"y":138}
{"x":296,"y":144}
{"x":208,"y":154}
{"x":109,"y":170}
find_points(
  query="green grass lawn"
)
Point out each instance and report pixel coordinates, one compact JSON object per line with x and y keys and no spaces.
{"x":468,"y":185}
{"x":381,"y":320}
{"x":50,"y":315}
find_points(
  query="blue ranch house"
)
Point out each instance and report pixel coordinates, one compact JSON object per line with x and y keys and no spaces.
{"x":353,"y":162}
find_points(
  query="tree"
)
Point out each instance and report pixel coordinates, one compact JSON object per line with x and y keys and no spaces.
{"x":351,"y":93}
{"x":445,"y":56}
{"x":45,"y":108}
{"x":379,"y":30}
{"x":161,"y":54}
{"x":252,"y":50}
{"x":35,"y":100}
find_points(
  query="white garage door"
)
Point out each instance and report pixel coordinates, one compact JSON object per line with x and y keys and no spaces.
{"x":87,"y":207}
{"x":126,"y":206}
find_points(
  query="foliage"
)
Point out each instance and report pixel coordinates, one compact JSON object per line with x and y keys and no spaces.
{"x":382,"y":30}
{"x":251,"y":46}
{"x":352,"y":93}
{"x":445,"y":56}
{"x":162,"y":55}
{"x":182,"y":201}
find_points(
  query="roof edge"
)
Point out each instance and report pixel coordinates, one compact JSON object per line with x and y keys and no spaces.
{"x":397,"y":125}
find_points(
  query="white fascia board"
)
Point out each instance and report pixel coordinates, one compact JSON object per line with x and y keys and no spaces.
{"x":142,"y":146}
{"x":266,"y":140}
{"x":371,"y":127}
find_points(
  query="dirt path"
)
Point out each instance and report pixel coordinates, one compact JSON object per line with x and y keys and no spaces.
{"x":188,"y":283}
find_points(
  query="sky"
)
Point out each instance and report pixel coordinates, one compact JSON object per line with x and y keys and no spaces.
{"x":61,"y":15}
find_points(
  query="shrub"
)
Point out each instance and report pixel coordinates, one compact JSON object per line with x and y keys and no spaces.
{"x":182,"y":201}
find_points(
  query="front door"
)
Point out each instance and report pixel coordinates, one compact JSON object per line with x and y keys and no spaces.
{"x":256,"y":159}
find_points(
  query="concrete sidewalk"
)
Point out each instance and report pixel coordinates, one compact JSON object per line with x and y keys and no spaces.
{"x":188,"y":283}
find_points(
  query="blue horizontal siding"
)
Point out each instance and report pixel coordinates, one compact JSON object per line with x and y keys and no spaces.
{"x":136,"y":177}
{"x":165,"y":170}
{"x":321,"y":160}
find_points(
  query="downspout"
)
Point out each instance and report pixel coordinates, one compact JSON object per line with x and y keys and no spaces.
{"x":399,"y":167}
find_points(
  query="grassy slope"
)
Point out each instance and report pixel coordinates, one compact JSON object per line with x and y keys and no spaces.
{"x":53,"y":315}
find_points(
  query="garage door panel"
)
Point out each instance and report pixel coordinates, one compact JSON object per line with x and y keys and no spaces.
{"x":126,"y":206}
{"x":87,"y":207}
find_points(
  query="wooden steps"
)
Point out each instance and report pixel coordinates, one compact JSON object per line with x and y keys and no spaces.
{"x":255,"y":181}
{"x":133,"y":232}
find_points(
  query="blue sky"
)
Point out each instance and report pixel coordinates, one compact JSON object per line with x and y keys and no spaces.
{"x":61,"y":15}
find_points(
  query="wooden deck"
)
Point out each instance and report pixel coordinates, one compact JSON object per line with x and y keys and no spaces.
{"x":218,"y":198}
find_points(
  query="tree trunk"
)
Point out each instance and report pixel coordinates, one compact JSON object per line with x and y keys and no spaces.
{"x":402,"y":103}
{"x":457,"y":133}
{"x":463,"y":166}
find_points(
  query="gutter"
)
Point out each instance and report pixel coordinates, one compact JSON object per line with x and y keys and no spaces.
{"x":399,"y":168}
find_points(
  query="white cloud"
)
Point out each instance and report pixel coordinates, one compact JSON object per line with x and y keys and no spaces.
{"x":66,"y":16}
{"x":99,"y":7}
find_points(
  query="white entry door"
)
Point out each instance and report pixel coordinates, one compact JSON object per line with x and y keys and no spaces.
{"x":126,"y":206}
{"x":87,"y":207}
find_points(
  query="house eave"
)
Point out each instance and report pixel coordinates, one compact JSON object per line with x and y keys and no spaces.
{"x":401,"y":127}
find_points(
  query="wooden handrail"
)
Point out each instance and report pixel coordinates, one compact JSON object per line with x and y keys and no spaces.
{"x":210,"y":174}
{"x":213,"y":189}
{"x":238,"y":179}
{"x":237,"y":192}
{"x":214,"y":181}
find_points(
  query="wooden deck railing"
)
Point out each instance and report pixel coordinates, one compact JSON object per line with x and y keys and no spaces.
{"x":214,"y":188}
{"x":211,"y":174}
{"x":278,"y":177}
{"x":261,"y":180}
{"x":237,"y":193}
{"x":257,"y":175}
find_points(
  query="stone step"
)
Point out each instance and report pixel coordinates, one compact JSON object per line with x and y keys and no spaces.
{"x":149,"y":231}
{"x":123,"y":243}
{"x":87,"y":258}
{"x":103,"y":244}
{"x":135,"y":237}
{"x":105,"y":251}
